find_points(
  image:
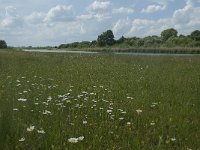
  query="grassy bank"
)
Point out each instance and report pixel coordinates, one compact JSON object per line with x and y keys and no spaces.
{"x":114,"y":102}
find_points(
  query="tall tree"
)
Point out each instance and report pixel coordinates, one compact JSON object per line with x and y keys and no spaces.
{"x":3,"y":44}
{"x":106,"y":38}
{"x":166,"y":34}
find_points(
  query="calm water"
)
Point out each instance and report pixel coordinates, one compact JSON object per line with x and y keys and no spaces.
{"x":58,"y":51}
{"x":117,"y":53}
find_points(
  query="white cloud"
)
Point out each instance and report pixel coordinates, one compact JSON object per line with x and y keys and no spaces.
{"x":93,"y":16}
{"x":82,"y":30}
{"x":98,"y":5}
{"x":182,"y":16}
{"x":122,"y":10}
{"x":121,"y":27}
{"x":59,"y":13}
{"x":153,"y":8}
{"x":101,"y":17}
{"x":185,"y":20}
{"x":162,"y":2}
{"x":84,"y":17}
{"x":11,"y":18}
{"x":35,"y":18}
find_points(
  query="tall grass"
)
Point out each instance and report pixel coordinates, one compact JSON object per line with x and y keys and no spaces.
{"x":115,"y":102}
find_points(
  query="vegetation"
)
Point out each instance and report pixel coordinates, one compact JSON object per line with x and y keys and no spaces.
{"x":168,"y":33}
{"x":169,"y":39}
{"x":101,"y":101}
{"x":106,"y":39}
{"x":3,"y":44}
{"x":195,"y":35}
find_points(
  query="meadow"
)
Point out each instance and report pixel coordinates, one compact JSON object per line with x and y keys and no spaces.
{"x":98,"y":101}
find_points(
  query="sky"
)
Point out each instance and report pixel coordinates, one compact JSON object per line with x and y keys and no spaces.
{"x":53,"y":22}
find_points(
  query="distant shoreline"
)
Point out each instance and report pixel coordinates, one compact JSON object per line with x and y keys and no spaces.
{"x":132,"y":50}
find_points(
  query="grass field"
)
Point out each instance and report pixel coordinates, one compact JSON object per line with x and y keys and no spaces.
{"x":98,"y":102}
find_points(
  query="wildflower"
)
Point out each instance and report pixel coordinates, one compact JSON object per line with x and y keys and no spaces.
{"x":15,"y":109}
{"x":128,"y":123}
{"x":46,"y":112}
{"x":40,"y":131}
{"x":139,"y":111}
{"x":22,"y":139}
{"x":59,"y":104}
{"x":73,"y":140}
{"x":49,"y":98}
{"x":84,"y":92}
{"x":31,"y":128}
{"x":121,"y":118}
{"x":173,"y":139}
{"x":128,"y":97}
{"x":45,"y":103}
{"x":84,"y":122}
{"x":81,"y":138}
{"x":152,"y":123}
{"x":22,"y":100}
{"x":60,"y":96}
{"x":109,"y":111}
{"x":154,"y":103}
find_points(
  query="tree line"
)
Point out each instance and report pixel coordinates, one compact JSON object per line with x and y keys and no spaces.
{"x":168,"y":38}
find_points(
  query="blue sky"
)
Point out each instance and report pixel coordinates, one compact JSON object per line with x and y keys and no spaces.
{"x":50,"y":22}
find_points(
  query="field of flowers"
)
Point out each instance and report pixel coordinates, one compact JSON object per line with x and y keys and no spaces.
{"x":98,"y":101}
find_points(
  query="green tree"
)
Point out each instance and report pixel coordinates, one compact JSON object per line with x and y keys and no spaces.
{"x":120,"y":40}
{"x":152,"y":41}
{"x":195,"y":35}
{"x":166,"y":34}
{"x":106,"y":38}
{"x":3,"y":44}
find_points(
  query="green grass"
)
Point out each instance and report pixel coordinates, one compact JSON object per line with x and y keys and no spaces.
{"x":83,"y":87}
